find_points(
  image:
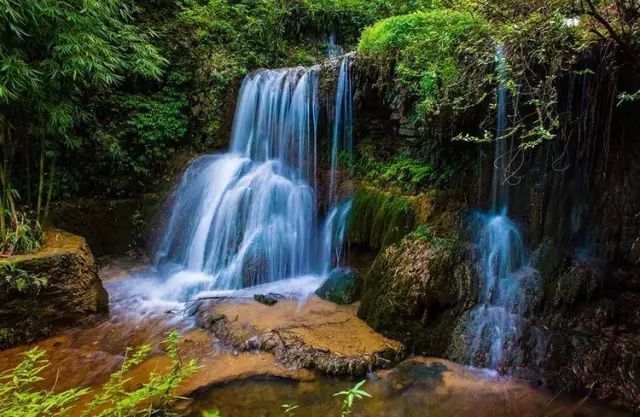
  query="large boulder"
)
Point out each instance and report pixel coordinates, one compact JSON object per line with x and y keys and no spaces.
{"x":416,"y":291}
{"x":52,"y":289}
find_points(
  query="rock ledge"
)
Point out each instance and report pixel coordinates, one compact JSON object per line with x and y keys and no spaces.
{"x":314,"y":335}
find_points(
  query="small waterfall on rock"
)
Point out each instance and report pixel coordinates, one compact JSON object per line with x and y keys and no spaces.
{"x":509,"y":287}
{"x":249,"y":217}
{"x":333,"y":49}
{"x":341,"y":140}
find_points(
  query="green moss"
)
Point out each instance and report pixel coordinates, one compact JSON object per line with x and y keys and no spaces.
{"x":435,"y":57}
{"x":379,"y":218}
{"x":415,"y":292}
{"x":342,"y":287}
{"x":216,"y":317}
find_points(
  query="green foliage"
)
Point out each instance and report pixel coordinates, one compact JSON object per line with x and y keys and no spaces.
{"x":403,"y":169}
{"x":226,"y":40}
{"x":129,"y":147}
{"x":21,"y":232}
{"x":20,"y":280}
{"x":379,"y":219}
{"x":52,"y":54}
{"x":154,"y":396}
{"x":156,"y":124}
{"x":625,"y":97}
{"x":344,"y":17}
{"x":67,"y":47}
{"x":354,"y":393}
{"x":436,"y":58}
{"x":541,"y":40}
{"x":424,"y":232}
{"x":19,"y":398}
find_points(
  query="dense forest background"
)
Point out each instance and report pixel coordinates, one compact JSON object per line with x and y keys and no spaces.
{"x":99,"y":97}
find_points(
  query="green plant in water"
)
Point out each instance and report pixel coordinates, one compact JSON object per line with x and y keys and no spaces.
{"x":19,"y":397}
{"x":354,"y":393}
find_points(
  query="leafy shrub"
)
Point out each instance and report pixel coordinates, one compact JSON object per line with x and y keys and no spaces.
{"x":21,"y":232}
{"x":437,"y":57}
{"x":18,"y":398}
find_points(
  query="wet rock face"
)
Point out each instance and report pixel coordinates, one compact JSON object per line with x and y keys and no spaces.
{"x":341,"y":287}
{"x":316,"y":335}
{"x":62,"y":289}
{"x":423,"y":295}
{"x":416,"y":291}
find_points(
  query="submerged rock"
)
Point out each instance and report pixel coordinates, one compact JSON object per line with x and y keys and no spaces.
{"x":316,"y":335}
{"x":266,"y":299}
{"x":341,"y":287}
{"x":52,"y":289}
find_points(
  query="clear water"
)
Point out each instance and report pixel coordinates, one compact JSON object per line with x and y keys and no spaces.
{"x":250,"y":217}
{"x":431,"y":389}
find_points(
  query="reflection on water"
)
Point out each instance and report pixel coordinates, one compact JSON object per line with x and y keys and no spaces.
{"x":416,"y":388}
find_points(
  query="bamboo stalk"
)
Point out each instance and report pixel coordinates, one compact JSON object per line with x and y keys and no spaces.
{"x":40,"y":183}
{"x":52,"y":175}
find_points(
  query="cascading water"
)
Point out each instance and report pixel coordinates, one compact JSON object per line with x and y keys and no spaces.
{"x":249,"y":217}
{"x":333,"y":49}
{"x":341,"y":139}
{"x":510,"y":288}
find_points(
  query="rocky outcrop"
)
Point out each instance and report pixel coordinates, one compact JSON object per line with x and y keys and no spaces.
{"x":317,"y":335}
{"x":416,"y":292}
{"x":576,"y":202}
{"x":52,"y":289}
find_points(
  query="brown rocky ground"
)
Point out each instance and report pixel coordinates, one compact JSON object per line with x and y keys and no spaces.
{"x":316,"y":334}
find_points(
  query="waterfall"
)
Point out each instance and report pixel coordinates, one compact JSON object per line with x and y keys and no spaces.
{"x":333,"y":49}
{"x":341,"y":140}
{"x":509,"y":287}
{"x":249,"y":217}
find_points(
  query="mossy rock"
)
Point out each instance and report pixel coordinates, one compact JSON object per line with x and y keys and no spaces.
{"x":68,"y":291}
{"x":341,"y":287}
{"x":379,"y":218}
{"x":415,"y":292}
